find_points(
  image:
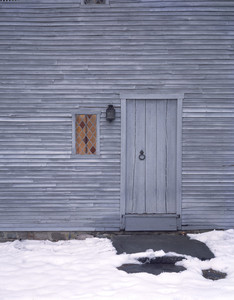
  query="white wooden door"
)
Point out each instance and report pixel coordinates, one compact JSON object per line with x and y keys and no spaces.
{"x":151,"y":161}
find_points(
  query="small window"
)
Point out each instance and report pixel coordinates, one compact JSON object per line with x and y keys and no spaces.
{"x":93,"y":2}
{"x":86,"y":134}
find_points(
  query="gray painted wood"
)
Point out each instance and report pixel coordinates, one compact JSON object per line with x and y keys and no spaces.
{"x":171,"y":134}
{"x":57,"y":57}
{"x":161,"y":156}
{"x":151,"y":222}
{"x":151,"y":183}
{"x":130,"y":155}
{"x":139,"y":168}
{"x":151,"y":157}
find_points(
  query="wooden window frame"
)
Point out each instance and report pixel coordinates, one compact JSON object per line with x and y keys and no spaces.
{"x":86,"y":112}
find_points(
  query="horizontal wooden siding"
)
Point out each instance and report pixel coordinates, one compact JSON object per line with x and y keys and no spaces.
{"x":59,"y":56}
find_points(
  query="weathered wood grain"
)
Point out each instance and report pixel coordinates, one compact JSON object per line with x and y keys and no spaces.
{"x":57,"y":56}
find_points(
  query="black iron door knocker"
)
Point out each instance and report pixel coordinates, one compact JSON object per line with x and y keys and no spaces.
{"x":142,"y":155}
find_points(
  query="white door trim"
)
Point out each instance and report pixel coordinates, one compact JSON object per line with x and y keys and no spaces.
{"x":145,"y":96}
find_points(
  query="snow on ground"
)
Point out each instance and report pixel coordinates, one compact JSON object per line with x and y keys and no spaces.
{"x":43,"y":270}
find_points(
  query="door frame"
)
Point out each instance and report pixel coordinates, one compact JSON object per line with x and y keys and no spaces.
{"x":146,"y":96}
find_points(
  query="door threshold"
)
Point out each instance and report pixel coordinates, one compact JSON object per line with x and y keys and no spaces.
{"x":151,"y":222}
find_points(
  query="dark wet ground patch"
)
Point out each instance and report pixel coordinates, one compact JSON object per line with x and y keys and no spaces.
{"x":213,"y":274}
{"x":135,"y":243}
{"x":155,"y":265}
{"x":168,"y":242}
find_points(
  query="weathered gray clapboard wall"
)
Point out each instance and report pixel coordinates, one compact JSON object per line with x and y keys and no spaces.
{"x":58,"y":56}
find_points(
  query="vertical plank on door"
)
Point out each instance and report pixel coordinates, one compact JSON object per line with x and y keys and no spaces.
{"x":151,"y":165}
{"x":140,"y":164}
{"x":161,"y":155}
{"x":171,"y":156}
{"x":130,"y":155}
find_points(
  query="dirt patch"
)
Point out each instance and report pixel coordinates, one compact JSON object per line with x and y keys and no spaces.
{"x":213,"y":274}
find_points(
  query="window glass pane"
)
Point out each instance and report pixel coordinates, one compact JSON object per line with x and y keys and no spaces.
{"x":86,"y":134}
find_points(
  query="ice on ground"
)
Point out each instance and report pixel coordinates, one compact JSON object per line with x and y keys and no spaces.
{"x":43,"y":270}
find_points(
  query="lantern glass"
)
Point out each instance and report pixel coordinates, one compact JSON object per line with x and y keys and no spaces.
{"x":110,"y":113}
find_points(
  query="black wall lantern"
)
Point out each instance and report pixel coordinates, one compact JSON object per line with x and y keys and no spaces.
{"x":110,"y":113}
